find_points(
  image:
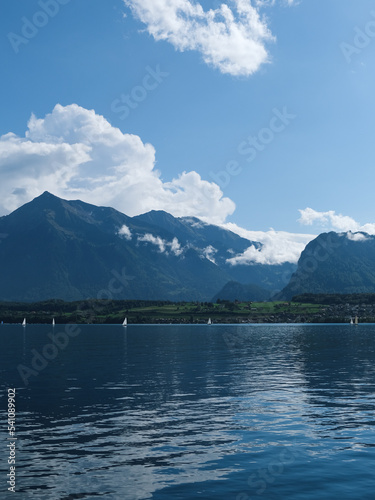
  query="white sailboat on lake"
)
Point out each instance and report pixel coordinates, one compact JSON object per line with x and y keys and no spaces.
{"x":24,"y":322}
{"x":356,"y":320}
{"x":209,"y":322}
{"x":125,"y":322}
{"x":53,"y":322}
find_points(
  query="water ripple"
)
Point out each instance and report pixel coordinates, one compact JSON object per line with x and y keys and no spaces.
{"x":273,"y":412}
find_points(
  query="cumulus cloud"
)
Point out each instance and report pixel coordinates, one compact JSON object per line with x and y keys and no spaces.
{"x":164,"y":246}
{"x":277,"y":246}
{"x":231,"y":37}
{"x":335,"y":222}
{"x":76,"y":153}
{"x":125,"y":232}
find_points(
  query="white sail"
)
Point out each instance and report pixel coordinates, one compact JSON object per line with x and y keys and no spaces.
{"x":351,"y":321}
{"x":24,"y":322}
{"x":209,"y":322}
{"x":53,"y":322}
{"x":125,"y":322}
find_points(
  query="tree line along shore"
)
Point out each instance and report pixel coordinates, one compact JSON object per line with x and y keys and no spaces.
{"x":307,"y":308}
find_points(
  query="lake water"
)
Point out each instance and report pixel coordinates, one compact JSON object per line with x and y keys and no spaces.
{"x":238,"y":412}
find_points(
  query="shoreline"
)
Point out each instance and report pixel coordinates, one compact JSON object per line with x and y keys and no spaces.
{"x":328,"y":321}
{"x":180,"y":313}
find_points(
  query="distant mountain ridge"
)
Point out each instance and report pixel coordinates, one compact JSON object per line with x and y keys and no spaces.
{"x":244,"y":293}
{"x":73,"y":250}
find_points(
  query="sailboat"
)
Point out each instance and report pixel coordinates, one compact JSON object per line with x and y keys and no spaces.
{"x":24,"y":322}
{"x":209,"y":322}
{"x":53,"y":322}
{"x":125,"y":322}
{"x":351,"y":321}
{"x":356,"y":320}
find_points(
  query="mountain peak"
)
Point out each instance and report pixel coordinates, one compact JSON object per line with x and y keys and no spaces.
{"x":158,"y":218}
{"x":157,"y":213}
{"x":46,"y":196}
{"x":45,"y":199}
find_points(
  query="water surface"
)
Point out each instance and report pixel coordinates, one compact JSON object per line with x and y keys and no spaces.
{"x":192,"y":412}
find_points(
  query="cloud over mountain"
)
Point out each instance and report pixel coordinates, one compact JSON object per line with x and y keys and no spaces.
{"x":125,"y":232}
{"x":333,"y":221}
{"x":76,"y":153}
{"x":164,"y":246}
{"x":277,"y":246}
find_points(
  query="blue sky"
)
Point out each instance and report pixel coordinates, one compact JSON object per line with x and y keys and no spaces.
{"x":199,"y":113}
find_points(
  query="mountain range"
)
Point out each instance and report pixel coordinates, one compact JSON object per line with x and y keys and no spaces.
{"x":71,"y":250}
{"x":52,"y":248}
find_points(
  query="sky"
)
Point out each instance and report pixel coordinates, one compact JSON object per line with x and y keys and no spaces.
{"x":255,"y":115}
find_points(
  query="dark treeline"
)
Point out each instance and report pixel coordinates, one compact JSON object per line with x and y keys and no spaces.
{"x":42,"y":312}
{"x":335,"y":298}
{"x":62,"y":306}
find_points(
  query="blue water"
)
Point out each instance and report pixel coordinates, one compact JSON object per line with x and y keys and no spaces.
{"x":191,"y":412}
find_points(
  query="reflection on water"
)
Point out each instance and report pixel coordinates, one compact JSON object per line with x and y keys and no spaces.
{"x":186,"y":412}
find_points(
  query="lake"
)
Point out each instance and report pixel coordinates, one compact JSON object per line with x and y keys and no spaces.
{"x":224,"y":412}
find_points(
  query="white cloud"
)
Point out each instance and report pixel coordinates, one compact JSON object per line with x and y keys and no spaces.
{"x":368,"y":228}
{"x":356,"y":236}
{"x":231,"y":37}
{"x":125,"y":232}
{"x":335,"y":222}
{"x":176,"y":247}
{"x":163,"y":245}
{"x":75,"y":153}
{"x":155,"y":240}
{"x":209,"y":253}
{"x":277,"y":246}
